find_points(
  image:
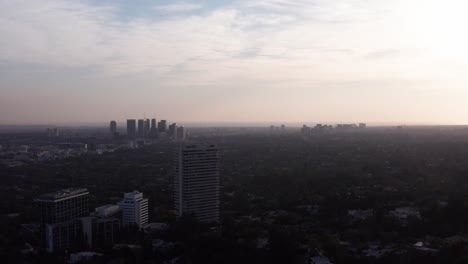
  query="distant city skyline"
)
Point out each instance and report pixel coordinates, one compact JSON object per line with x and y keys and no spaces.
{"x":269,"y":61}
{"x":122,"y":124}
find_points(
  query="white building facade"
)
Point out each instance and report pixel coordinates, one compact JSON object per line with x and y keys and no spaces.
{"x":134,"y":209}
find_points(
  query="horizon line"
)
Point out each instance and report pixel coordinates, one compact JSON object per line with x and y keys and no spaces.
{"x":231,"y":123}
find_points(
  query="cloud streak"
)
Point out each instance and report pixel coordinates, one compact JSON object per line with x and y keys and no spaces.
{"x":178,"y":7}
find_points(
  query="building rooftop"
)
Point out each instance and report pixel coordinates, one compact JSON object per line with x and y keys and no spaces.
{"x":198,"y":145}
{"x":107,"y":210}
{"x":133,"y":195}
{"x":64,"y":193}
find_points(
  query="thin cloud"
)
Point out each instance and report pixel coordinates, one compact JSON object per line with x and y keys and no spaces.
{"x":236,"y":51}
{"x":178,"y":7}
{"x":383,"y":54}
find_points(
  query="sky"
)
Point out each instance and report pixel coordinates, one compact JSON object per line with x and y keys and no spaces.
{"x":385,"y":61}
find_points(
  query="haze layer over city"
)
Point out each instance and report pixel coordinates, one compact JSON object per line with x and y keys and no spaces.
{"x":203,"y":132}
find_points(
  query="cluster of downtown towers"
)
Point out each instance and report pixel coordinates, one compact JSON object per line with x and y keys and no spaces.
{"x":142,"y":129}
{"x":196,"y":192}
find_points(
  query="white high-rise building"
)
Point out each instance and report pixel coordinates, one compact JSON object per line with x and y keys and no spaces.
{"x":197,"y":181}
{"x":134,"y":209}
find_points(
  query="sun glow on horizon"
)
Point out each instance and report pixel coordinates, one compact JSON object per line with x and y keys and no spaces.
{"x":437,"y":27}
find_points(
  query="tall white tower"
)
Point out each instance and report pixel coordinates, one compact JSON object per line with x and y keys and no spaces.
{"x":197,"y":181}
{"x":134,"y":209}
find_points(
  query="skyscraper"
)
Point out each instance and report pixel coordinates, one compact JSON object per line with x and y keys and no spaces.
{"x":141,"y":128}
{"x":162,"y":126}
{"x":146,"y":131}
{"x":113,"y":127}
{"x":131,"y":129}
{"x":197,"y":181}
{"x":172,"y":131}
{"x":180,"y":133}
{"x":134,"y":209}
{"x":57,"y":209}
{"x":154,"y":128}
{"x":56,"y":132}
{"x":63,"y":205}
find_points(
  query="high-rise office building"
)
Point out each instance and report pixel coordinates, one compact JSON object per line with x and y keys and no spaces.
{"x":131,"y":129}
{"x":56,"y":132}
{"x":154,"y":129}
{"x":59,"y":207}
{"x":141,"y":128}
{"x":162,"y":126}
{"x":146,"y":131}
{"x":63,"y":205}
{"x":134,"y":209}
{"x":113,"y":127}
{"x":197,"y":181}
{"x":305,"y":130}
{"x":85,"y":232}
{"x":181,"y":133}
{"x":64,"y":235}
{"x":53,"y":132}
{"x":172,"y":132}
{"x":66,"y":223}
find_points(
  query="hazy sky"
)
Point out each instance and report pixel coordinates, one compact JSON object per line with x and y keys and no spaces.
{"x":402,"y":61}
